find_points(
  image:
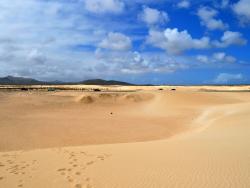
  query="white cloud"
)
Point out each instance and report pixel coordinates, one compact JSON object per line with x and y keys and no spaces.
{"x":218,"y":57}
{"x":207,"y":16}
{"x":224,"y":3}
{"x":104,"y":6}
{"x":222,"y":57}
{"x":36,"y":56}
{"x":202,"y":58}
{"x":226,"y":78}
{"x":183,"y":4}
{"x":175,"y":42}
{"x":242,"y":8}
{"x":128,"y":62}
{"x":55,"y":40}
{"x":116,"y":41}
{"x":230,"y":38}
{"x":153,"y":16}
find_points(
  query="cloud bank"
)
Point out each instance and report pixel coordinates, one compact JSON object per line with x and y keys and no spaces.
{"x":81,"y":39}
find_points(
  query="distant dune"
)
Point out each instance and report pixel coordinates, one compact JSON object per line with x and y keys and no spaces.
{"x":125,"y":137}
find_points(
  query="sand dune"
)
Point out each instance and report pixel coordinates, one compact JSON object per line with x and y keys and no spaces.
{"x":148,"y":138}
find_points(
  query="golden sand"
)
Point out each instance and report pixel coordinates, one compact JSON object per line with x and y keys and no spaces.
{"x":141,"y":138}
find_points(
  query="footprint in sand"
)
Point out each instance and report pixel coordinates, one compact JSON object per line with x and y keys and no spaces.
{"x":78,"y":186}
{"x":90,"y":163}
{"x":101,"y":157}
{"x":34,"y":161}
{"x":23,"y":167}
{"x":1,"y":178}
{"x":61,"y":169}
{"x":10,"y":162}
{"x":78,"y":173}
{"x":107,"y":155}
{"x":78,"y":162}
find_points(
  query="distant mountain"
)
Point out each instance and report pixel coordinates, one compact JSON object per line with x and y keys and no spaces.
{"x":11,"y":80}
{"x":103,"y":82}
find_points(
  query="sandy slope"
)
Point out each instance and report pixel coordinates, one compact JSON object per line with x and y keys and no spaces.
{"x":207,"y":146}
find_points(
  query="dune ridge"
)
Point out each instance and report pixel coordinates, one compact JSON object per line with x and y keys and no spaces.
{"x":114,"y":98}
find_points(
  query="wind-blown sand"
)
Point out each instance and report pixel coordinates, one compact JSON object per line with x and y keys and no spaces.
{"x":143,"y":139}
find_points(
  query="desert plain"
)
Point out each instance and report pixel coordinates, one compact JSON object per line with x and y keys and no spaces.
{"x":125,"y":137}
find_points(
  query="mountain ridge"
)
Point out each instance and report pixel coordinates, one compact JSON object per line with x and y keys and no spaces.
{"x":12,"y":80}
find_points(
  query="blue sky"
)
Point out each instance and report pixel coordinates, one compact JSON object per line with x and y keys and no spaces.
{"x":138,"y":41}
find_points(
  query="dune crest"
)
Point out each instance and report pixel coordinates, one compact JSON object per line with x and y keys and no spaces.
{"x":115,"y":98}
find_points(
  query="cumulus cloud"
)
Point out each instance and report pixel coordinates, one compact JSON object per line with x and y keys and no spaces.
{"x":230,"y":38}
{"x":153,"y":16}
{"x":224,"y":3}
{"x":222,"y":57}
{"x":57,"y":40}
{"x":242,"y":8}
{"x":51,"y":42}
{"x":129,"y":62}
{"x":183,"y":4}
{"x":203,"y":58}
{"x":36,"y":56}
{"x":207,"y":16}
{"x":218,"y":57}
{"x":67,"y":40}
{"x":175,"y":41}
{"x":104,"y":6}
{"x":116,"y":41}
{"x":226,"y":78}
